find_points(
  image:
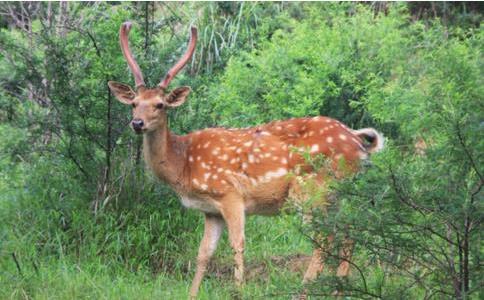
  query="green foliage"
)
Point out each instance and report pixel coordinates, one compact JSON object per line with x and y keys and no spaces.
{"x":313,"y":67}
{"x":417,"y":215}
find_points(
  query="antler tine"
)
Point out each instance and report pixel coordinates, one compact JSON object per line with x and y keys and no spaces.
{"x":182,"y":62}
{"x":123,"y":40}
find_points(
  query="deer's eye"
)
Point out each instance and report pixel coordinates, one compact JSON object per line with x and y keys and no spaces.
{"x":159,"y":105}
{"x":133,"y":105}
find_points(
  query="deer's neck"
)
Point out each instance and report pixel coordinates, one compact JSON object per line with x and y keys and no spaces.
{"x":165,"y":154}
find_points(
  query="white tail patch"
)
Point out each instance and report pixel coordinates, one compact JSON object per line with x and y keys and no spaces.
{"x":378,"y":140}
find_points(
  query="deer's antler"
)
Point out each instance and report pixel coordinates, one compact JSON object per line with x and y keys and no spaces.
{"x":123,"y":40}
{"x":182,"y":62}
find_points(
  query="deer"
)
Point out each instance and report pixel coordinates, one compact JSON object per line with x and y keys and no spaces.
{"x":228,"y":173}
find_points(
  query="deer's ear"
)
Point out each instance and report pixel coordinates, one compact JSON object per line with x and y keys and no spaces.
{"x":178,"y":96}
{"x":123,"y":92}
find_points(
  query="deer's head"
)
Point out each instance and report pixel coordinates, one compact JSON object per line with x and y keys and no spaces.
{"x":150,"y":104}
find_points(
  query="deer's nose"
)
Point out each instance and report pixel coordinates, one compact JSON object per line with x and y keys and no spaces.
{"x":137,"y":124}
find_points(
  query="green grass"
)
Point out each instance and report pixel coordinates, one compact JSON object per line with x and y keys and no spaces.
{"x":271,"y":243}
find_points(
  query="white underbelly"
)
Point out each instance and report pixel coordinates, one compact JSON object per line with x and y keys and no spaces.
{"x":203,"y":205}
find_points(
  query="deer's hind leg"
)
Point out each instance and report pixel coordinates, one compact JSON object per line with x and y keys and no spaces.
{"x":308,"y":192}
{"x":316,"y":264}
{"x":313,"y":190}
{"x":345,"y":255}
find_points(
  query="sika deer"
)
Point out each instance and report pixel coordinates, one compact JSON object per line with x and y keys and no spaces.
{"x":230,"y":173}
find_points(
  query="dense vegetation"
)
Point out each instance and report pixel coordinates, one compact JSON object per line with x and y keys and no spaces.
{"x":81,"y":218}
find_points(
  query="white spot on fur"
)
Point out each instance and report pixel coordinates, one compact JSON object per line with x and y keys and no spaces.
{"x":206,"y":176}
{"x":220,"y":170}
{"x":204,"y":187}
{"x":314,"y":148}
{"x":248,"y":144}
{"x":251,"y":158}
{"x":343,"y":137}
{"x":190,"y":158}
{"x":224,"y":157}
{"x":214,"y":176}
{"x":284,"y":161}
{"x":195,"y":181}
{"x":329,"y":139}
{"x":275,"y":174}
{"x":244,"y":166}
{"x":206,"y":145}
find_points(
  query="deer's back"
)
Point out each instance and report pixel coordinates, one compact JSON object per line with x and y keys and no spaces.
{"x":256,"y":162}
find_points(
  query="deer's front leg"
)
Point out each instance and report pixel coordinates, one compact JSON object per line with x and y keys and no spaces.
{"x":233,"y":212}
{"x":213,"y":229}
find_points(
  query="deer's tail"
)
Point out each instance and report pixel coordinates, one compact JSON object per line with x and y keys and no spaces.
{"x":373,"y":140}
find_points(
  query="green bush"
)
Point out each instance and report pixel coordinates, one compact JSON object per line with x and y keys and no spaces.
{"x":415,"y":214}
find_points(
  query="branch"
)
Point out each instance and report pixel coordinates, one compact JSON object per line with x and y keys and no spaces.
{"x":400,"y":194}
{"x":467,"y":152}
